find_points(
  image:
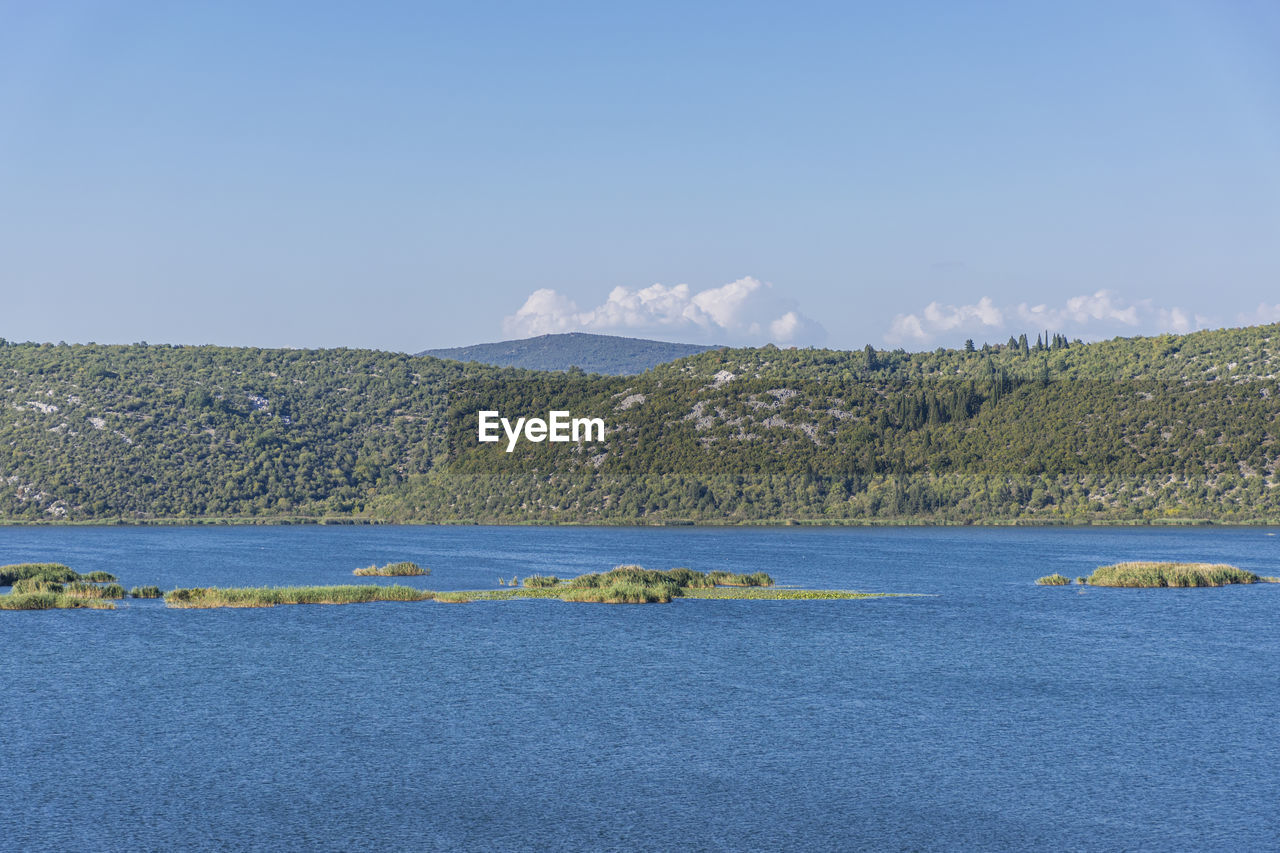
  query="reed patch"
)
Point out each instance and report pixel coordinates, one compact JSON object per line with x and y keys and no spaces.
{"x":204,"y":597}
{"x":401,"y":569}
{"x":1150,"y":575}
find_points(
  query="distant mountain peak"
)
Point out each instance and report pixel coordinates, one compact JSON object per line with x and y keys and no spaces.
{"x":593,"y":353}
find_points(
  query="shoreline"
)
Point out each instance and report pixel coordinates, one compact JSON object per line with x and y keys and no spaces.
{"x":355,"y":521}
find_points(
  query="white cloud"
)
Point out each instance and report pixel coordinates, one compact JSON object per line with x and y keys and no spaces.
{"x":944,"y":318}
{"x":906,"y":327}
{"x":1090,"y":316}
{"x":1103,"y":306}
{"x":1264,"y":314}
{"x":785,"y":327}
{"x":743,"y":311}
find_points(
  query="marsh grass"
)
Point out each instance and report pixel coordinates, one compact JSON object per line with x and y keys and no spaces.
{"x":79,"y":589}
{"x":731,"y":579}
{"x":541,"y":581}
{"x":763,"y":594}
{"x":146,"y":592}
{"x":1142,"y":574}
{"x":605,"y":595}
{"x":270,"y":597}
{"x":99,"y":577}
{"x":631,"y":584}
{"x":53,"y":586}
{"x":680,"y":577}
{"x":454,"y":597}
{"x":1268,"y":579}
{"x":623,"y":592}
{"x":1053,"y":580}
{"x":36,"y":584}
{"x":51,"y":601}
{"x":393,"y":570}
{"x":503,"y":594}
{"x":49,"y":571}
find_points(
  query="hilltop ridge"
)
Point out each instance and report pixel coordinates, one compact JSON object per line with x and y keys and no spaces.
{"x":606,"y":354}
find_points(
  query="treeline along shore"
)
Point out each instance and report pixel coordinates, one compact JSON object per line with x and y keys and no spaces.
{"x":1175,"y":429}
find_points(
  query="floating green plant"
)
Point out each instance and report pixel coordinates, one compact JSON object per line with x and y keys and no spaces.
{"x":1053,"y":580}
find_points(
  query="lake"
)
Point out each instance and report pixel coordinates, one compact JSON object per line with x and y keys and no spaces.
{"x":987,"y":714}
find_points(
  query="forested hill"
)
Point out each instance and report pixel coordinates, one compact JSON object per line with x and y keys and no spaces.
{"x":606,"y":354}
{"x":1230,"y":354}
{"x":1148,"y":429}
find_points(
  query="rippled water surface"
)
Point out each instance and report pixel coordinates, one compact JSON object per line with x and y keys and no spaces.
{"x":987,"y":714}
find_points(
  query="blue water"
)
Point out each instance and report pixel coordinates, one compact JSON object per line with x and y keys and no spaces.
{"x":990,"y":714}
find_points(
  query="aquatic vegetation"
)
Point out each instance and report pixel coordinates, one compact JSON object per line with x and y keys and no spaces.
{"x":393,"y":570}
{"x":730,"y":579}
{"x":453,"y":597}
{"x":80,"y":589}
{"x":1053,"y":580}
{"x":36,"y":584}
{"x":627,"y":596}
{"x":632,"y":584}
{"x":499,"y":594}
{"x":756,"y":593}
{"x":51,"y":601}
{"x":1268,"y":579}
{"x":681,"y":577}
{"x":1145,"y":574}
{"x":99,"y":577}
{"x":541,"y":581}
{"x":272,"y":596}
{"x":49,"y":571}
{"x":53,"y":586}
{"x":633,"y":574}
{"x":624,"y":592}
{"x":627,"y":584}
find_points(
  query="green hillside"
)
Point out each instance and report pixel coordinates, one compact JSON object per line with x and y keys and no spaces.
{"x":606,"y":354}
{"x":1145,"y":429}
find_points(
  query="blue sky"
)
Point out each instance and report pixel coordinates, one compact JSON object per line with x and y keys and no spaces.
{"x":413,"y":175}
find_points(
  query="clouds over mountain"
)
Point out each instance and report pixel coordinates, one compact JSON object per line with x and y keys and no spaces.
{"x":1089,"y":316}
{"x":1264,"y":314}
{"x":746,"y":311}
